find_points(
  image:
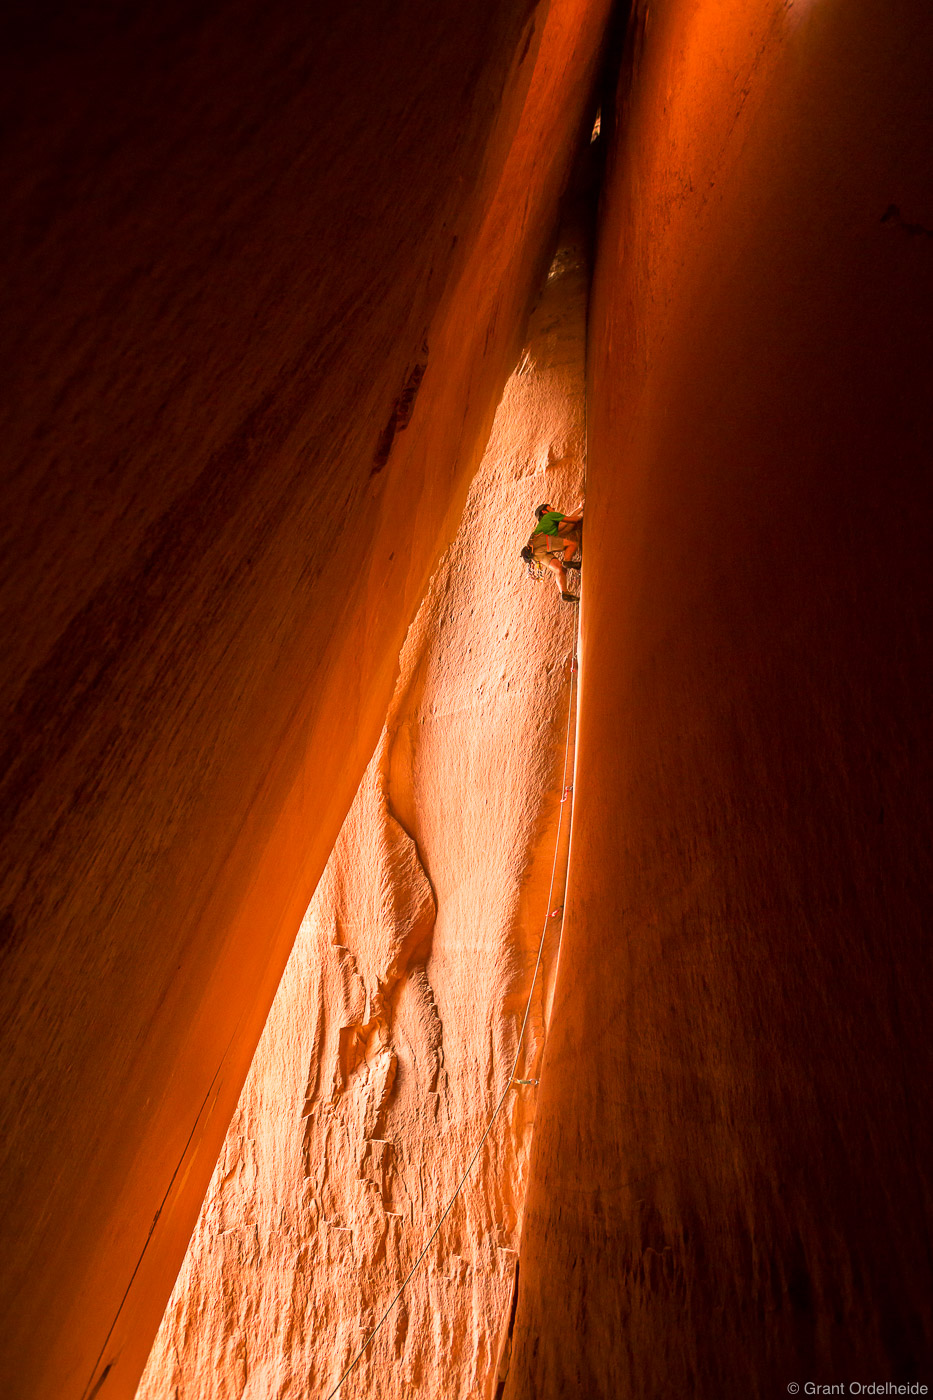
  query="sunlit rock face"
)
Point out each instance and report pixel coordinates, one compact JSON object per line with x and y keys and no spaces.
{"x":729,"y":1193}
{"x":269,"y":266}
{"x":395,"y":1027}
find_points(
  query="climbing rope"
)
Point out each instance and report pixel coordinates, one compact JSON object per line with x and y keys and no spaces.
{"x":558,"y":913}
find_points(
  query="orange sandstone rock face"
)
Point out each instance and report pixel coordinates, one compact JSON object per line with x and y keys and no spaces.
{"x":730,"y":1185}
{"x":239,"y":237}
{"x":395,"y":1027}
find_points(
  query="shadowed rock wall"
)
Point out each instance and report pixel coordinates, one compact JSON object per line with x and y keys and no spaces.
{"x":730,"y":1181}
{"x":268,"y":268}
{"x":394,"y":1030}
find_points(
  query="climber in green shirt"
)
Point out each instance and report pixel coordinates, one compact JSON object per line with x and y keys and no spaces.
{"x":553,"y":543}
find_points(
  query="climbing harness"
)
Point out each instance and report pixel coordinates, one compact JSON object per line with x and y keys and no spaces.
{"x":534,"y":557}
{"x":553,"y":914}
{"x":536,"y":571}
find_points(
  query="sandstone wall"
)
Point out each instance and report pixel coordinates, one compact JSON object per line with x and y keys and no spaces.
{"x":395,"y":1027}
{"x":730,"y":1181}
{"x":267,"y":270}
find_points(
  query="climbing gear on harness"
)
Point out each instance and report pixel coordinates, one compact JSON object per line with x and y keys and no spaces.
{"x":535,"y":570}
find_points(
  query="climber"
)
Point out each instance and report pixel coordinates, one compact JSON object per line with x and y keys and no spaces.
{"x":553,"y":544}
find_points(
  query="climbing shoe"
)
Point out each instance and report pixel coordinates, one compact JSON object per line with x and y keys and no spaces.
{"x":570,"y":597}
{"x":575,"y":565}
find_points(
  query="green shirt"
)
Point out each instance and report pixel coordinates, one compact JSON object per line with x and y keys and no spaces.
{"x":548,"y":523}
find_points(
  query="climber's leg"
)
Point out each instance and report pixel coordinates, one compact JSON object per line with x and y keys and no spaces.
{"x":556,"y":564}
{"x":570,"y":534}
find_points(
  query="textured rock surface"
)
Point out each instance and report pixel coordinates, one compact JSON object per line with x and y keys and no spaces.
{"x":237,"y":233}
{"x":395,"y":1027}
{"x":730,"y":1179}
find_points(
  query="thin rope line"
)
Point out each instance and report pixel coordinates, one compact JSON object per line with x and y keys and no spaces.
{"x":518,"y":1050}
